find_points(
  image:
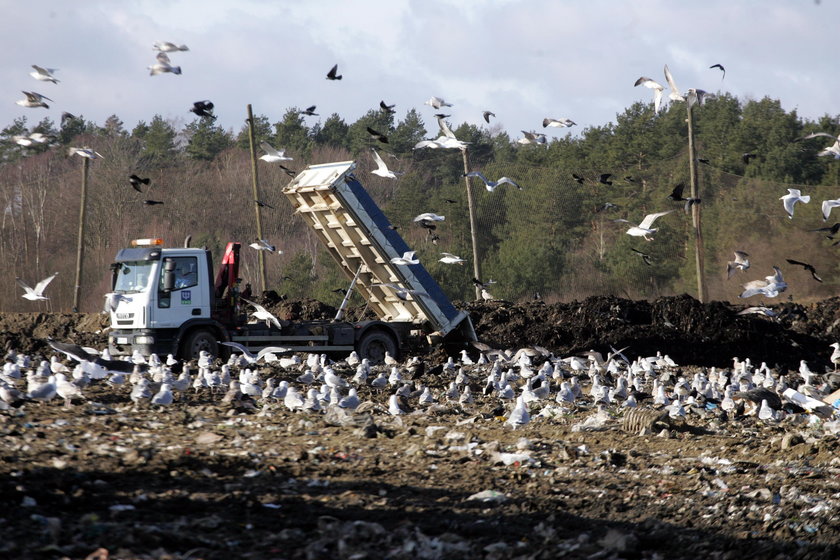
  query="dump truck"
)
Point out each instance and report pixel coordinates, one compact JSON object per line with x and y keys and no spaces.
{"x":166,"y":300}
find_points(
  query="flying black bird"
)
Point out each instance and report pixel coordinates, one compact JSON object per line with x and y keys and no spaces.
{"x":442,"y":116}
{"x":341,"y":291}
{"x":677,"y":196}
{"x":287,"y":171}
{"x":605,"y":178}
{"x":577,"y":178}
{"x":152,"y":202}
{"x":137,"y":181}
{"x":450,"y":201}
{"x":387,"y":108}
{"x":65,"y":116}
{"x":309,"y":111}
{"x":262,"y":204}
{"x":377,"y":135}
{"x":747,"y":156}
{"x":331,"y":75}
{"x":807,"y":267}
{"x":722,"y":69}
{"x":487,"y":115}
{"x":832,"y":230}
{"x":703,"y":160}
{"x":203,"y":109}
{"x":606,"y":206}
{"x":645,"y":256}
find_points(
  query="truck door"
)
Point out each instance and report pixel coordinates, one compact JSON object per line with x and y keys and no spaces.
{"x":182,"y":292}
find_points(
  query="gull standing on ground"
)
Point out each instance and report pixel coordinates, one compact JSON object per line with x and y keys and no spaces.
{"x":36,"y":293}
{"x":407,"y":258}
{"x":792,"y":198}
{"x":644,"y":229}
{"x":44,"y":74}
{"x":657,"y":90}
{"x":33,"y":100}
{"x":491,"y":185}
{"x":263,"y":314}
{"x":272,"y":155}
{"x":741,"y":262}
{"x":382,"y":169}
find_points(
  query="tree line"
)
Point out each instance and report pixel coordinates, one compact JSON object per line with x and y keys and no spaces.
{"x":559,"y":238}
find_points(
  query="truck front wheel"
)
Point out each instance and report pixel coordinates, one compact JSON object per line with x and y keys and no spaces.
{"x":197,"y":341}
{"x":373,"y":346}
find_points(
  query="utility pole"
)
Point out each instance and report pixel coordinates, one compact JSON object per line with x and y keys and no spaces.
{"x":80,"y":245}
{"x":256,"y":196}
{"x":471,"y":207}
{"x":695,"y":208}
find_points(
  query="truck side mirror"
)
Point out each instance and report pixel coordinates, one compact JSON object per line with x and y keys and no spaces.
{"x":168,"y":275}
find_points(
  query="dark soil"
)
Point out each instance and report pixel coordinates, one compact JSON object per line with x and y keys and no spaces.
{"x":204,"y":479}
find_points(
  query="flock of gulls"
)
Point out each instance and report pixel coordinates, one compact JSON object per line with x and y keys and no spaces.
{"x":517,"y":385}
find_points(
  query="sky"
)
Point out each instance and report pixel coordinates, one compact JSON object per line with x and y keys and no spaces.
{"x":524,"y":60}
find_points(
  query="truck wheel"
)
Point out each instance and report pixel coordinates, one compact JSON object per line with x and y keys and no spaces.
{"x":373,"y":346}
{"x":196,"y":342}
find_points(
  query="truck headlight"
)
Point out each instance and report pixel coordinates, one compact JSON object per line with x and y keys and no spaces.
{"x":144,"y":339}
{"x":121,"y":339}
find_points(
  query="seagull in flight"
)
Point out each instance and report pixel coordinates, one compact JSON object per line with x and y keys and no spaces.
{"x":262,"y":314}
{"x":166,"y":46}
{"x":449,"y":258}
{"x":644,"y":229}
{"x":44,"y":74}
{"x":674,"y":94}
{"x":400,"y":292}
{"x":532,"y":138}
{"x":163,"y":65}
{"x":491,"y":185}
{"x":741,"y":262}
{"x":333,"y":73}
{"x":792,"y":198}
{"x":264,"y":245}
{"x":827,"y":205}
{"x":429,"y":217}
{"x":657,"y":90}
{"x":33,"y":100}
{"x":558,"y":123}
{"x":30,"y":140}
{"x":807,"y":267}
{"x":771,"y":286}
{"x":83,"y":152}
{"x":254,"y":358}
{"x":36,"y":293}
{"x":437,"y":102}
{"x":382,"y":169}
{"x":272,"y":155}
{"x":407,"y":258}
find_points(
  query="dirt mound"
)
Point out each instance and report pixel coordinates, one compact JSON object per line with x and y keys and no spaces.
{"x":688,"y":331}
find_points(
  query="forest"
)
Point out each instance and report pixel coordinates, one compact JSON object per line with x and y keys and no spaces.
{"x":561,"y":237}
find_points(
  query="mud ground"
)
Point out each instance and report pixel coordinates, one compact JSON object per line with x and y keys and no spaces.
{"x":205,"y":479}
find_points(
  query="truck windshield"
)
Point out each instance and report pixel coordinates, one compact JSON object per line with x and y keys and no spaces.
{"x":133,"y":277}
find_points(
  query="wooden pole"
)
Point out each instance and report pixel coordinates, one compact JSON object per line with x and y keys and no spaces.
{"x":471,"y":207}
{"x":695,"y":208}
{"x":80,"y":245}
{"x":256,"y":195}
